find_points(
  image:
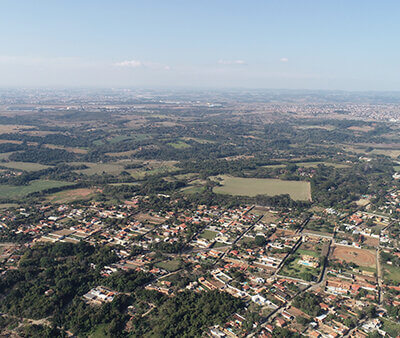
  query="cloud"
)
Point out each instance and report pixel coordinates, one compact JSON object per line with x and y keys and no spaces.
{"x":284,"y":60}
{"x":231,"y":62}
{"x":142,"y":64}
{"x":129,"y":63}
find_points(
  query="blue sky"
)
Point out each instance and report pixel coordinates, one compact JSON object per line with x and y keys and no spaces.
{"x":299,"y":44}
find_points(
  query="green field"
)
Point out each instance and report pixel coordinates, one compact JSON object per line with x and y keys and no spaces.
{"x":8,"y":205}
{"x":298,"y":190}
{"x":4,"y":156}
{"x":179,"y":145}
{"x":99,"y":168}
{"x":192,"y":189}
{"x":392,"y":272}
{"x":208,"y":234}
{"x":27,"y":166}
{"x":308,"y":165}
{"x":391,"y":327}
{"x":170,"y":266}
{"x":13,"y":191}
{"x":152,"y":169}
{"x":307,"y":252}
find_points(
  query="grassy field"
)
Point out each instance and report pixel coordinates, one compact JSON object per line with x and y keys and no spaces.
{"x":27,"y":166}
{"x":99,"y":168}
{"x":4,"y":156}
{"x":179,"y":145}
{"x":192,"y":189}
{"x":208,"y":234}
{"x":153,"y":168}
{"x":172,"y":265}
{"x":13,"y":191}
{"x":307,"y":252}
{"x":309,"y":165}
{"x":8,"y":205}
{"x":298,"y":190}
{"x":71,"y":195}
{"x":296,"y":270}
{"x":391,"y":327}
{"x":392,"y":273}
{"x":393,"y":153}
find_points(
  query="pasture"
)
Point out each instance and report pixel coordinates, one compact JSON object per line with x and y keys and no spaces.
{"x":100,"y":168}
{"x":298,"y":190}
{"x":26,"y":166}
{"x":15,"y":191}
{"x":309,"y":165}
{"x":179,"y":145}
{"x":71,"y":195}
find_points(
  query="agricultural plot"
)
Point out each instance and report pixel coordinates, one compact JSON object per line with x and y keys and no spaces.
{"x":309,"y":165}
{"x":153,"y":168}
{"x":26,"y":166}
{"x":13,"y":191}
{"x":100,"y":168}
{"x":298,"y":190}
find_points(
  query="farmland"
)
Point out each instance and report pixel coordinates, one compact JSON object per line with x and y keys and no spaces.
{"x":12,"y":191}
{"x":298,"y":190}
{"x":27,"y":166}
{"x":100,"y":168}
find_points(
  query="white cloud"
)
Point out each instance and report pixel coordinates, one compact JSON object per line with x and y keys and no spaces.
{"x":284,"y":60}
{"x":142,"y":64}
{"x":231,"y":62}
{"x":129,"y":63}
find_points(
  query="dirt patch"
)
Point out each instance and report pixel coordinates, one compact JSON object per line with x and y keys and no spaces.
{"x":353,"y":255}
{"x":142,"y":217}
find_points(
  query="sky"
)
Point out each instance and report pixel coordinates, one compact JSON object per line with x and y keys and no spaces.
{"x":297,"y":44}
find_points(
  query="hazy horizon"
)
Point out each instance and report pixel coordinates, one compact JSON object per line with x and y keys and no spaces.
{"x":308,"y":45}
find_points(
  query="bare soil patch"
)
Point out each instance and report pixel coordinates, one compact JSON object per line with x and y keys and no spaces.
{"x":353,"y":255}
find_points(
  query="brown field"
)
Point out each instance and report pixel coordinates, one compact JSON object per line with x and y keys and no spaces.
{"x":123,"y":153}
{"x":371,"y":241}
{"x":142,"y":217}
{"x":359,"y":128}
{"x":71,"y":195}
{"x":352,"y":255}
{"x":70,"y":149}
{"x":11,"y":128}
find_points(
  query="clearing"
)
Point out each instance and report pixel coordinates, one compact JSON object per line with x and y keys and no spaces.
{"x":298,"y":190}
{"x":26,"y":166}
{"x":353,"y":255}
{"x":71,"y":195}
{"x":13,"y":191}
